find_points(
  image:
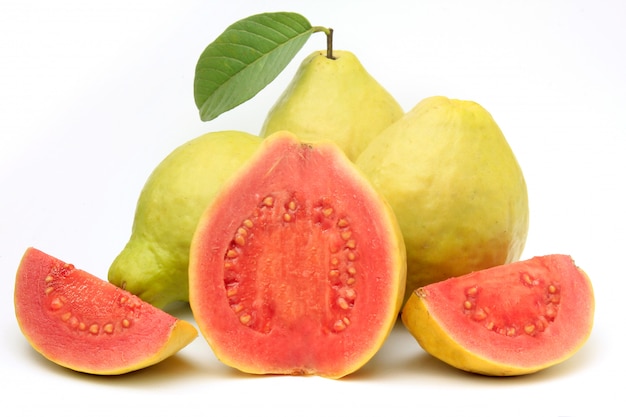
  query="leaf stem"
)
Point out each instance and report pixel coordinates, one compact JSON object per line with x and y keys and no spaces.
{"x":329,"y":40}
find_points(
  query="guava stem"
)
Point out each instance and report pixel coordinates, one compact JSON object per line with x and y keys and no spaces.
{"x":329,"y":44}
{"x":329,"y":39}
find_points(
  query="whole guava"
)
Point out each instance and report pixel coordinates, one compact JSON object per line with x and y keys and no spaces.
{"x":333,"y":99}
{"x":456,"y":188}
{"x":153,"y":265}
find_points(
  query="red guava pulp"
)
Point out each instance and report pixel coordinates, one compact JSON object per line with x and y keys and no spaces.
{"x":511,"y":319}
{"x":81,"y":322}
{"x":298,"y":266}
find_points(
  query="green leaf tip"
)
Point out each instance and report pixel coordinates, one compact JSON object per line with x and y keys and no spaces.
{"x":245,"y":58}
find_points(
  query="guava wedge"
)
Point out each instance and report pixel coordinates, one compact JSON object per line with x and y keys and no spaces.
{"x":83,"y":323}
{"x":511,"y":319}
{"x":298,"y":265}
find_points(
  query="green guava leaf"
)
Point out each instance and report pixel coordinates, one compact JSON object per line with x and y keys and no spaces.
{"x":245,"y":58}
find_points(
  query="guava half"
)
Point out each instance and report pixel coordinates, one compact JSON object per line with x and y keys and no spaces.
{"x":298,"y":265}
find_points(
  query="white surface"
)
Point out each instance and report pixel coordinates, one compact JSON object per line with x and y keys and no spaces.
{"x":94,"y":94}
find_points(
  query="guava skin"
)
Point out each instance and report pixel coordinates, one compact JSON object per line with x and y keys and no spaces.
{"x":333,"y":99}
{"x":154,"y":262}
{"x":456,"y":187}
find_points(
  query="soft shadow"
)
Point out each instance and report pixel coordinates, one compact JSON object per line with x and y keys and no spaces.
{"x":168,"y":371}
{"x":407,"y":367}
{"x":401,"y":359}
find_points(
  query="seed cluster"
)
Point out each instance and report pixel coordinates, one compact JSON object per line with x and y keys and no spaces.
{"x":279,"y":211}
{"x":342,"y":274}
{"x":232,"y":280}
{"x":72,"y":318}
{"x":544,"y":306}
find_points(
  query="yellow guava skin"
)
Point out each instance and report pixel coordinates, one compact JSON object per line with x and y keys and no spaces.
{"x":456,"y":187}
{"x":154,"y":263}
{"x":430,"y":332}
{"x":438,"y":343}
{"x":181,"y":335}
{"x":333,"y":99}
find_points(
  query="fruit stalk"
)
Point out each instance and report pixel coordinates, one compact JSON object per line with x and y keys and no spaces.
{"x":329,"y":40}
{"x":329,"y":44}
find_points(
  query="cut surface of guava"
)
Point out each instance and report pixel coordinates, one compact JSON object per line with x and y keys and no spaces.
{"x":511,"y":319}
{"x":298,"y":265}
{"x":83,"y":323}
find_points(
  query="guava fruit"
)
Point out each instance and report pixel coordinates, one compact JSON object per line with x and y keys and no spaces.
{"x":510,"y":319}
{"x":298,"y":265}
{"x":455,"y":186}
{"x":154,"y":262}
{"x":333,"y":99}
{"x":87,"y":324}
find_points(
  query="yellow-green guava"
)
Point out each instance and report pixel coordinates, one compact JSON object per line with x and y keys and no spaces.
{"x":154,"y":262}
{"x":333,"y":99}
{"x":456,"y":188}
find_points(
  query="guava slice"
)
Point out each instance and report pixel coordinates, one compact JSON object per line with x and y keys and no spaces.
{"x":298,"y":265}
{"x":83,"y":323}
{"x":511,"y":319}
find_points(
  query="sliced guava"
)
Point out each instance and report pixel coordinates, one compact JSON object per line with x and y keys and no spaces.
{"x":511,"y":319}
{"x":84,"y":323}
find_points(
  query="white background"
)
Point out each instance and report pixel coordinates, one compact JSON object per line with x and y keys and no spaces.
{"x":93,"y":95}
